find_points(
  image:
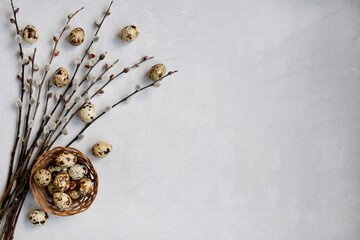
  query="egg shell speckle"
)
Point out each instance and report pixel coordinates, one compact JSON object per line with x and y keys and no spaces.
{"x":77,"y":171}
{"x":130,"y":33}
{"x":62,"y":182}
{"x":42,"y":177}
{"x":65,"y":159}
{"x":101,"y":149}
{"x":62,"y":200}
{"x":77,"y":36}
{"x":61,"y":77}
{"x":38,"y":217}
{"x":85,"y":186}
{"x":31,"y":34}
{"x":87,"y":113}
{"x":157,"y":72}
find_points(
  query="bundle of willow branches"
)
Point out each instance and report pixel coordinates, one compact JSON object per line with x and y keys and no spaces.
{"x":36,"y":133}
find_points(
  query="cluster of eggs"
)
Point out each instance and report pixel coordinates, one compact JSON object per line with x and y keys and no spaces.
{"x":65,"y":180}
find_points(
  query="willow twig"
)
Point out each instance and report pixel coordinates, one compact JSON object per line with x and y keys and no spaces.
{"x":117,"y":103}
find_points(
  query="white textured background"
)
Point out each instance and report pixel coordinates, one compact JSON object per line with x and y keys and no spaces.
{"x":256,"y":137}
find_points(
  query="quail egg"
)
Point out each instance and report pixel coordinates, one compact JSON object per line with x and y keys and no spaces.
{"x":62,"y":181}
{"x":157,"y":72}
{"x":65,"y":159}
{"x":62,"y":200}
{"x":101,"y":149}
{"x":31,"y":34}
{"x":73,"y":192}
{"x":54,"y":169}
{"x":87,"y":113}
{"x":77,"y":36}
{"x":85,"y":186}
{"x":42,"y":177}
{"x":51,"y":188}
{"x":77,"y":171}
{"x":129,"y":33}
{"x":38,"y":217}
{"x":60,"y":77}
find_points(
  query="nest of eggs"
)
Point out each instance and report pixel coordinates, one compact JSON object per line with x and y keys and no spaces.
{"x":64,"y":181}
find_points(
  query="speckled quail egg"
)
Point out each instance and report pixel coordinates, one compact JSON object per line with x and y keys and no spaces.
{"x":62,"y":200}
{"x":62,"y":181}
{"x":38,"y":217}
{"x":54,"y":169}
{"x":101,"y":149}
{"x":73,"y":192}
{"x":87,"y":113}
{"x":31,"y":34}
{"x":85,"y":186}
{"x":60,"y":77}
{"x":42,"y":177}
{"x":51,"y":188}
{"x":65,"y":159}
{"x":129,"y":33}
{"x":157,"y":72}
{"x":77,"y":172}
{"x":77,"y":36}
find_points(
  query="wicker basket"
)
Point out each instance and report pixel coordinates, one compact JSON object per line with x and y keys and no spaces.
{"x":44,"y":199}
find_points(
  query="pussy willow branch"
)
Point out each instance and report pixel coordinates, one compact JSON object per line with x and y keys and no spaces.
{"x":111,"y":78}
{"x":22,"y":79}
{"x":44,"y":122}
{"x":52,"y":132}
{"x":117,"y":103}
{"x":20,"y":164}
{"x":27,"y":131}
{"x":53,"y":54}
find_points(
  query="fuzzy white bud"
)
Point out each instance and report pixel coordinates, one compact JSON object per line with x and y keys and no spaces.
{"x":32,"y":101}
{"x":49,"y":92}
{"x":25,"y":60}
{"x":96,"y":38}
{"x":32,"y":89}
{"x":36,"y":67}
{"x":91,"y":50}
{"x":67,"y":97}
{"x":77,"y":60}
{"x":92,"y":62}
{"x":37,"y":82}
{"x":67,"y":26}
{"x":157,"y":84}
{"x":57,"y":36}
{"x":67,"y":106}
{"x":47,"y":67}
{"x":81,"y":136}
{"x":128,"y":99}
{"x":26,"y":88}
{"x":74,"y":87}
{"x":87,"y":98}
{"x":46,"y":129}
{"x":52,"y":126}
{"x":89,"y":76}
{"x":137,"y":87}
{"x":98,"y":22}
{"x":77,"y":99}
{"x":64,"y":120}
{"x":64,"y":131}
{"x":18,"y":102}
{"x":39,"y":142}
{"x":18,"y":39}
{"x":75,"y":82}
{"x":31,"y":123}
{"x":57,"y":96}
{"x":107,"y":108}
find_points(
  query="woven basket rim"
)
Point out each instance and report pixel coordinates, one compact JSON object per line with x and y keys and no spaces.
{"x":44,"y":199}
